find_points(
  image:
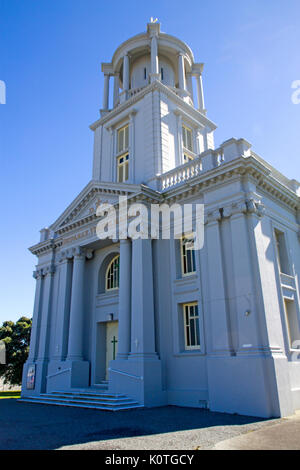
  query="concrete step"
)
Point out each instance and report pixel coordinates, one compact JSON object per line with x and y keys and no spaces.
{"x":80,"y":405}
{"x":85,"y":399}
{"x":109,"y":399}
{"x":97,"y":395}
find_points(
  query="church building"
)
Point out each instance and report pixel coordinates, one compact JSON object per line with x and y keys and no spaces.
{"x":143,"y":322}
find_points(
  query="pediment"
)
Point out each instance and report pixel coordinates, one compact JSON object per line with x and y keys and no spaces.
{"x":86,"y":203}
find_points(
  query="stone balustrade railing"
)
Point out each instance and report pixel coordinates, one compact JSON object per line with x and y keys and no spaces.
{"x":181,"y":174}
{"x":210,"y":159}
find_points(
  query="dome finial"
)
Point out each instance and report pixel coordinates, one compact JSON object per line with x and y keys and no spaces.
{"x":153,"y":20}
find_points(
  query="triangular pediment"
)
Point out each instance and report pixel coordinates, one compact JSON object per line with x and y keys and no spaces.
{"x":94,"y":194}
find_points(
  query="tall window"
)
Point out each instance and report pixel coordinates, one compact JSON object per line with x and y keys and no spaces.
{"x":188,"y":262}
{"x":123,"y":154}
{"x":113,"y":274}
{"x":187,"y":142}
{"x":191,"y":326}
{"x":282,"y":254}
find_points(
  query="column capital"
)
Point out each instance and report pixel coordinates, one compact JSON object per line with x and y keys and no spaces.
{"x":212,"y":217}
{"x":50,"y":269}
{"x":37,"y":274}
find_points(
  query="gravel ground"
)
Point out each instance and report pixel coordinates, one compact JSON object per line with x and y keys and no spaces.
{"x":34,"y":426}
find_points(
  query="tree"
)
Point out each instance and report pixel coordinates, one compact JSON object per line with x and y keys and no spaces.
{"x":16,"y":337}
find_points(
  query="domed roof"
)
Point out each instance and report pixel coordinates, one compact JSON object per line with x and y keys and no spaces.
{"x":139,"y":44}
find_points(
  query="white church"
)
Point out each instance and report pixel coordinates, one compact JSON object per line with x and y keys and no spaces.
{"x":125,"y":323}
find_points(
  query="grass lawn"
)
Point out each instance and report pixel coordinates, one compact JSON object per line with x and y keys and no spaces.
{"x":10,"y":394}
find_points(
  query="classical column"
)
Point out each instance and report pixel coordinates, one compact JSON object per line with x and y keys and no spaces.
{"x":34,"y":337}
{"x":43,"y":350}
{"x":142,"y":302}
{"x":126,"y":73}
{"x":249,"y":334}
{"x":76,"y":310}
{"x":116,"y":88}
{"x":189,"y":83}
{"x":154,"y":59}
{"x":219,"y":321}
{"x":124,"y":299}
{"x":200,"y":94}
{"x":105,"y":92}
{"x":181,"y":72}
{"x":63,"y":307}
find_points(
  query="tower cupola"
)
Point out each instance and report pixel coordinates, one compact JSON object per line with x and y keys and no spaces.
{"x":151,"y":56}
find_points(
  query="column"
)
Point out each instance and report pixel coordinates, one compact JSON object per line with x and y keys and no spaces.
{"x":219,"y":322}
{"x":126,"y":73}
{"x":105,"y":105}
{"x":200,"y":94}
{"x":116,"y":89}
{"x":189,"y":80}
{"x":154,"y":59}
{"x":45,"y":313}
{"x":124,"y":299}
{"x":142,"y":302}
{"x":181,"y":72}
{"x":76,"y":310}
{"x":34,"y":337}
{"x":249,"y":335}
{"x":63,"y":308}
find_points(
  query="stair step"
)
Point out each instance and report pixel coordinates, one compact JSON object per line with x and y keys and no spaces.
{"x":87,"y":394}
{"x":83,"y":398}
{"x":113,"y":400}
{"x":97,"y":406}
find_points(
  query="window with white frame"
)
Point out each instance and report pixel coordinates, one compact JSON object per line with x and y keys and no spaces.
{"x":191,"y":326}
{"x":188,"y":260}
{"x":112,"y":276}
{"x":123,"y":154}
{"x":187,"y":143}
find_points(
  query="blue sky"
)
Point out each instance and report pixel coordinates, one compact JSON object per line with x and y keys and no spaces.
{"x":50,"y":56}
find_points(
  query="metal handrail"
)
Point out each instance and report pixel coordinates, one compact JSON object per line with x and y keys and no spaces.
{"x":57,"y":373}
{"x":125,"y":373}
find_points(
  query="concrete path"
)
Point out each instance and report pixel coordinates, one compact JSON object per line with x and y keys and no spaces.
{"x":34,"y":426}
{"x":285,"y":435}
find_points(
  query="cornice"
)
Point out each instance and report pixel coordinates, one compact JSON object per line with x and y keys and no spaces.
{"x":156,"y":85}
{"x":240,"y":167}
{"x":88,"y":192}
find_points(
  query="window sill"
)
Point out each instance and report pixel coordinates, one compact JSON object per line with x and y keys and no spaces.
{"x":186,"y":278}
{"x":189,"y":353}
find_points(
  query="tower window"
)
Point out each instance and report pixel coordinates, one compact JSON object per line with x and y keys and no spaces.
{"x":187,"y":143}
{"x":162,"y":73}
{"x":191,"y":326}
{"x":123,"y":164}
{"x":145,"y":73}
{"x":188,"y":262}
{"x":113,"y":274}
{"x":123,"y":159}
{"x":123,"y":139}
{"x":187,"y":138}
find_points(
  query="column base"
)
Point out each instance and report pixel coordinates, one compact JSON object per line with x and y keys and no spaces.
{"x":154,"y":77}
{"x":253,"y":385}
{"x":139,"y":379}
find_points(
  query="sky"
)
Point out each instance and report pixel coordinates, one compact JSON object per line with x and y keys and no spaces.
{"x":50,"y":60}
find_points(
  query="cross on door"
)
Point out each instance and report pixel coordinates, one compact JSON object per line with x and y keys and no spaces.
{"x":114,"y":342}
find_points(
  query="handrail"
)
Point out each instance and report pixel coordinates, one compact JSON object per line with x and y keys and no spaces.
{"x":125,"y":373}
{"x":57,"y":373}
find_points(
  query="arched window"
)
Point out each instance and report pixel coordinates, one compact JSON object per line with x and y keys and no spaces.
{"x":113,"y":274}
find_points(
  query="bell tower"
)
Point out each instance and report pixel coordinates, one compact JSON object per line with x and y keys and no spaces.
{"x":155,"y":121}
